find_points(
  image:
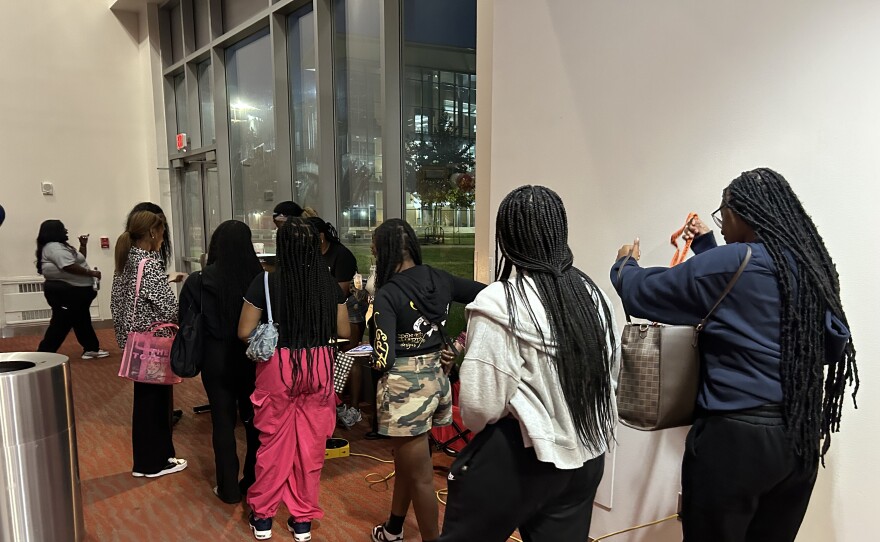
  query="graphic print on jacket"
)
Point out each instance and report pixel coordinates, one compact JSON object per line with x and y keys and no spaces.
{"x":405,"y":307}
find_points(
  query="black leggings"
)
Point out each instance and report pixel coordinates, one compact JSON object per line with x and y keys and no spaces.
{"x":741,"y":480}
{"x":497,"y":485}
{"x":70,"y":309}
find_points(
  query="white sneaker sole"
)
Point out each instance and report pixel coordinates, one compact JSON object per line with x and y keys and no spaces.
{"x":261,"y":535}
{"x":179,"y":466}
{"x":97,"y":356}
{"x":304,"y":537}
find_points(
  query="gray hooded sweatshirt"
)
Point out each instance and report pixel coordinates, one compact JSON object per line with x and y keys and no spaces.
{"x":508,"y":372}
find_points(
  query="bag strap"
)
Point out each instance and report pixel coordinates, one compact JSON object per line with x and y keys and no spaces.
{"x":702,"y":324}
{"x":268,"y":297}
{"x":137,"y":289}
{"x":680,"y":255}
{"x":736,"y":276}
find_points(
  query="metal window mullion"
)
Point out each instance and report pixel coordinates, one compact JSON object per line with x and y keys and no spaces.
{"x":390,"y":39}
{"x":283,"y":158}
{"x":221,"y":130}
{"x":328,"y":172}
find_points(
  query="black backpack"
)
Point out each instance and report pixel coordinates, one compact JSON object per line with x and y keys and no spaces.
{"x":187,"y":351}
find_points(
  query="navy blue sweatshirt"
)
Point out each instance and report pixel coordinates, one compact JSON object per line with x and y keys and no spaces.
{"x":740,"y":345}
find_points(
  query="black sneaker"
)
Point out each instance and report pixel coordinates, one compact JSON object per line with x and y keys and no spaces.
{"x":175,"y":416}
{"x":302,"y":530}
{"x":262,"y":528}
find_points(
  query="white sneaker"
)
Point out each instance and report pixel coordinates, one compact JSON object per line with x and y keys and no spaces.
{"x":381,"y":535}
{"x":174,"y":465}
{"x":92,"y":354}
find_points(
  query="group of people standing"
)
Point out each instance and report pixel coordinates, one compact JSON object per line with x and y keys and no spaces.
{"x":540,"y":367}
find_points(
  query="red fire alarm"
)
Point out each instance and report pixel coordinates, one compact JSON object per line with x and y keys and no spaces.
{"x":105,"y":241}
{"x":181,"y":141}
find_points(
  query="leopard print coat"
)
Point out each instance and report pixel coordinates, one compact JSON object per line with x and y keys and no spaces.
{"x":156,"y":301}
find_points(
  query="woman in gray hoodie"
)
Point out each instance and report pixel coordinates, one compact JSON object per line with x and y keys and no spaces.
{"x":537,"y":385}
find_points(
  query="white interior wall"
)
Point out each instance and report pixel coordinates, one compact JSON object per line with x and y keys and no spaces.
{"x":78,"y":112}
{"x":639,"y":112}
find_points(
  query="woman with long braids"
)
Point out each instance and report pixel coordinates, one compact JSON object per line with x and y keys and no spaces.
{"x":409,"y":311}
{"x":537,"y":386}
{"x":343,"y":266}
{"x":776,"y":360}
{"x":294,"y":401}
{"x":217,"y":292}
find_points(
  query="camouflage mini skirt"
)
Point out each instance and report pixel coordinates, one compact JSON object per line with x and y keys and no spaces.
{"x":413,"y":397}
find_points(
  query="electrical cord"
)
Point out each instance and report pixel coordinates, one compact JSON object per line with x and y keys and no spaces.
{"x":609,"y":535}
{"x":381,"y":479}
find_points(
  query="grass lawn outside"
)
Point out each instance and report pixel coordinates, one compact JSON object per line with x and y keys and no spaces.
{"x":455,"y":259}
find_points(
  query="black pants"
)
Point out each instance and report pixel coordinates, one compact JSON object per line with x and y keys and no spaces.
{"x":229,"y":376}
{"x":497,"y":485}
{"x":70,"y":309}
{"x":741,"y":480}
{"x":151,"y":427}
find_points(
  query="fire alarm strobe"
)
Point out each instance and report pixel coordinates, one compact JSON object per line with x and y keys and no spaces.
{"x":105,"y":241}
{"x":181,"y":141}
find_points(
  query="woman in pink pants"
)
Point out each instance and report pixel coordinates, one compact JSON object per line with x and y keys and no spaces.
{"x":294,"y":401}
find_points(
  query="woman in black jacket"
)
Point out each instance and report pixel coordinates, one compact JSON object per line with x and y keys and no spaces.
{"x":228,"y":376}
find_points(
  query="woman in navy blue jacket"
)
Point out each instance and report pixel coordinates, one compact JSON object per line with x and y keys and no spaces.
{"x":765,"y":401}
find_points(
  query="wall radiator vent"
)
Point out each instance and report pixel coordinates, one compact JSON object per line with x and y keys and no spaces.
{"x":22,"y":302}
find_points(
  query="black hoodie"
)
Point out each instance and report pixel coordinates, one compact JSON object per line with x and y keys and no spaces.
{"x":406,"y":306}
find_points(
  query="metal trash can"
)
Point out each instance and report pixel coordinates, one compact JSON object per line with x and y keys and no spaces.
{"x":40,"y":495}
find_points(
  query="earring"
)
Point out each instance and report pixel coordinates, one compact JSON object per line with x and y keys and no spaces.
{"x":152,"y":236}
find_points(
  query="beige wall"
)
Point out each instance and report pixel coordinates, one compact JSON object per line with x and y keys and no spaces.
{"x":77,"y":110}
{"x":639,"y":112}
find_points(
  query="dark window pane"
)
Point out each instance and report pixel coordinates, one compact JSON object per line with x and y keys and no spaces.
{"x":206,"y":102}
{"x":180,"y":103}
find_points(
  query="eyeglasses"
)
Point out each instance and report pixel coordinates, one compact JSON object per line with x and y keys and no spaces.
{"x":716,"y":215}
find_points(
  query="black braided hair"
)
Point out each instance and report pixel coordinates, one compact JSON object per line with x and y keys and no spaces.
{"x":330,"y":233}
{"x":531,"y":233}
{"x":306,"y":297}
{"x":808,"y":286}
{"x":392,"y":239}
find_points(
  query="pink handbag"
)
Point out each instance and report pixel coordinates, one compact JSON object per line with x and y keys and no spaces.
{"x":147,"y":358}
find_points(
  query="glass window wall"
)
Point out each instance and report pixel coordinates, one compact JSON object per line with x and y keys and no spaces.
{"x":253,"y":172}
{"x":302,"y":60}
{"x":359,"y":111}
{"x":439,"y":118}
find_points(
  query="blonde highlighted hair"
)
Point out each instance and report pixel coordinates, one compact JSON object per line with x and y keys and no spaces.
{"x":141,"y":225}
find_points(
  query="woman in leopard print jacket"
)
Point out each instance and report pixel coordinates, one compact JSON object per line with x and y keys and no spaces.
{"x":152,"y":447}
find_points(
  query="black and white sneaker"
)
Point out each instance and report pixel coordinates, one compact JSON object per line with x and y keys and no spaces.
{"x":382,"y":535}
{"x":262,"y":528}
{"x":94,"y":354}
{"x":302,"y":530}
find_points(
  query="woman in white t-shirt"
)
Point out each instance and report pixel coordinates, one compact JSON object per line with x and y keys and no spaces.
{"x":69,"y":289}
